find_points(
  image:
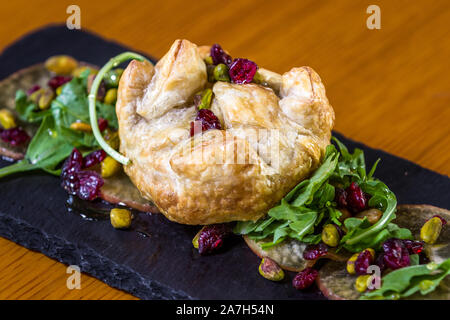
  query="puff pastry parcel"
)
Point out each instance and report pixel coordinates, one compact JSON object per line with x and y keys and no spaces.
{"x":274,"y":135}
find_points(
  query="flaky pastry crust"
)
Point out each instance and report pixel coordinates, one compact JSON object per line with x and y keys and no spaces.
{"x":238,"y":173}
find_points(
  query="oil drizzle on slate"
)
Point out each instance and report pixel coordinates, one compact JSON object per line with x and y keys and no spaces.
{"x":99,"y":210}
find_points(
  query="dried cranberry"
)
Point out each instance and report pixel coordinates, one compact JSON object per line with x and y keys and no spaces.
{"x":414,"y":247}
{"x":102,"y":124}
{"x":444,"y":222}
{"x":219,"y":56}
{"x":304,"y":278}
{"x":315,"y":251}
{"x":33,"y":89}
{"x":208,"y":120}
{"x":396,"y":255}
{"x":341,"y":197}
{"x":71,"y":184}
{"x":69,"y":171}
{"x":90,"y":184}
{"x":94,"y":158}
{"x":14,"y":136}
{"x":242,"y":71}
{"x":84,"y":184}
{"x":73,"y":163}
{"x":363,"y":262}
{"x":212,"y":237}
{"x":58,"y":81}
{"x":356,"y":200}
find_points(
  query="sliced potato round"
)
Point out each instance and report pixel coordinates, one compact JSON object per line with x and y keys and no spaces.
{"x":336,"y":284}
{"x":289,"y":254}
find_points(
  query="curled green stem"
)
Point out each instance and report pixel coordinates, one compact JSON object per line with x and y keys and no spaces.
{"x":112,"y":63}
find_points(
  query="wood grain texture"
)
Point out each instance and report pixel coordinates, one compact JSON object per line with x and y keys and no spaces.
{"x":390,"y":88}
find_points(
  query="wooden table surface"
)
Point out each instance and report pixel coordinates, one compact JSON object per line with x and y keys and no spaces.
{"x":390,"y":88}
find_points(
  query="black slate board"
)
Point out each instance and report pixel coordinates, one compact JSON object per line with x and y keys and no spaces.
{"x":33,"y":212}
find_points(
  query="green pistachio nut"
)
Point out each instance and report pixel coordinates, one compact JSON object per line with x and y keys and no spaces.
{"x":431,"y":230}
{"x":35,"y":96}
{"x":61,"y":64}
{"x":120,"y":218}
{"x":7,"y":120}
{"x":46,"y":99}
{"x":330,"y":235}
{"x":372,"y":215}
{"x":221,"y":73}
{"x":80,"y":70}
{"x":351,"y":263}
{"x":270,"y":270}
{"x":112,"y":138}
{"x":109,"y":167}
{"x":361,"y":283}
{"x":205,"y":99}
{"x":111,"y":96}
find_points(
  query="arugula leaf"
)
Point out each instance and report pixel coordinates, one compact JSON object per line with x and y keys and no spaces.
{"x":372,"y":170}
{"x":285,"y":211}
{"x":311,"y":203}
{"x":354,"y":228}
{"x":298,"y":213}
{"x":406,"y":281}
{"x":305,"y":195}
{"x":246,"y":227}
{"x":304,"y":224}
{"x":312,"y":238}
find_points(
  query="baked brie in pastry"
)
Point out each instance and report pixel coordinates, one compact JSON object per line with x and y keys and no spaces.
{"x":272,"y":136}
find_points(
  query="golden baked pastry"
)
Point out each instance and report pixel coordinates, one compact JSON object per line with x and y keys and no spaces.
{"x":274,"y":135}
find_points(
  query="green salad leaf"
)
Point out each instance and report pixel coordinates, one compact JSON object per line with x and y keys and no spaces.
{"x":404,"y":282}
{"x":311,"y":204}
